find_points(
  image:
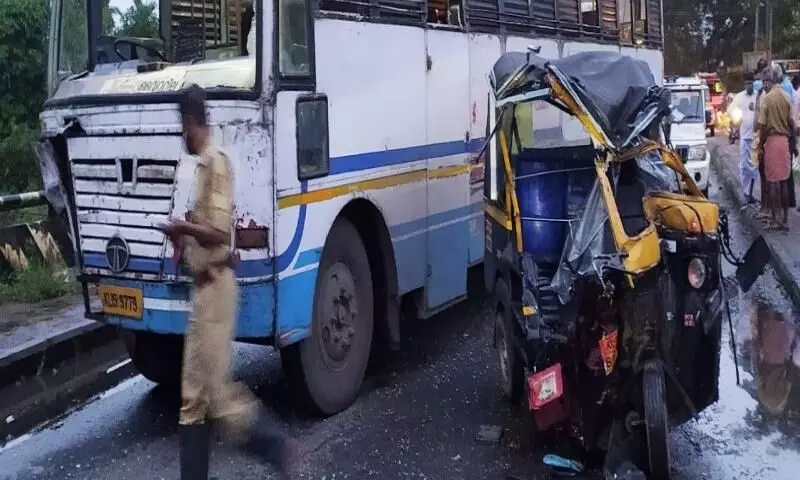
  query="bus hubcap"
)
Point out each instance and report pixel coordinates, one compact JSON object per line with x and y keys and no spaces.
{"x":339,"y":315}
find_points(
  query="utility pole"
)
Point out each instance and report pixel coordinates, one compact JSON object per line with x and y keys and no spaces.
{"x":757,"y":26}
{"x":769,"y":27}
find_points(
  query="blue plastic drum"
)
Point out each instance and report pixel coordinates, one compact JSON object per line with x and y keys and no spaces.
{"x":542,"y":197}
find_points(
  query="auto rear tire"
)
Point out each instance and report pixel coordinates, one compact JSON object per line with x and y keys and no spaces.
{"x":512,"y":375}
{"x":157,"y":357}
{"x":328,"y":367}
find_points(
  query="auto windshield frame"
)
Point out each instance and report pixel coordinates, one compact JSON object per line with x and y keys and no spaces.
{"x":100,"y":99}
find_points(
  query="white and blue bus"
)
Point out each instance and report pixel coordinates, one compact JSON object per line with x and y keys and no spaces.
{"x":354,"y":128}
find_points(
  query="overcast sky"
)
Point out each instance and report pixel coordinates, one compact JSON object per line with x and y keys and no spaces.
{"x":121,"y":4}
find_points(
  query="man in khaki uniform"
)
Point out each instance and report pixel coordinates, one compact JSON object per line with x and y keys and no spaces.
{"x":207,"y":389}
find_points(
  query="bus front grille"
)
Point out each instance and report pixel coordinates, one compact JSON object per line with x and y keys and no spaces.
{"x":128,"y":197}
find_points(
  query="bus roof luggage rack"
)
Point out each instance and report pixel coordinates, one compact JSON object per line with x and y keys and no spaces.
{"x":188,"y":40}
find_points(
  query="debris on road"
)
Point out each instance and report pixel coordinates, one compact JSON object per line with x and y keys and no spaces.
{"x":628,"y":471}
{"x":489,"y":433}
{"x":563,"y":466}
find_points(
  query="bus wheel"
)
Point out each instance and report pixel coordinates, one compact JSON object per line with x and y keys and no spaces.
{"x":332,"y":361}
{"x":157,"y":357}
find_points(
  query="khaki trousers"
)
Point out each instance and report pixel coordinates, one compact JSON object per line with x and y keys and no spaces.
{"x":207,"y":389}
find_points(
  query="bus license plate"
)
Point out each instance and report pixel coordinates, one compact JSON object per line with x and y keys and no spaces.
{"x":121,"y":301}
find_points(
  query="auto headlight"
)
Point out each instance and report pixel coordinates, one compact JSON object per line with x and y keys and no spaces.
{"x":696,"y":153}
{"x":697,"y":272}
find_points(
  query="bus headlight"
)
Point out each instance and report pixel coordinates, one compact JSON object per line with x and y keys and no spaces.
{"x":697,"y":272}
{"x":696,"y":153}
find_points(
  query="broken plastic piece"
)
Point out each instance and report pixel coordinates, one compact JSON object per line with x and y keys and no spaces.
{"x":563,"y":466}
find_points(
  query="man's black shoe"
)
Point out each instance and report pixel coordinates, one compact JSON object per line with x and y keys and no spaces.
{"x":194,"y":451}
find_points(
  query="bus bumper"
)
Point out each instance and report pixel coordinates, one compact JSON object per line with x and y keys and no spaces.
{"x":167,"y":307}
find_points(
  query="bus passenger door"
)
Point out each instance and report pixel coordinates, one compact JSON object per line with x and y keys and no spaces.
{"x":448,"y":219}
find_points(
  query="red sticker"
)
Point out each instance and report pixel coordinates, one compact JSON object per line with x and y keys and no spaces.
{"x":545,"y":386}
{"x":608,"y":350}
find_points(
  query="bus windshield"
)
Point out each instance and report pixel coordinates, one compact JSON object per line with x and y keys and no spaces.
{"x":158,"y":33}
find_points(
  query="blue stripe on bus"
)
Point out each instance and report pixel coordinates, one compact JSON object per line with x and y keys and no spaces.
{"x":296,"y":292}
{"x":408,"y":271}
{"x":408,"y":251}
{"x":308,"y":257}
{"x":429,"y":221}
{"x":386,"y":158}
{"x":348,"y":163}
{"x":137,"y":264}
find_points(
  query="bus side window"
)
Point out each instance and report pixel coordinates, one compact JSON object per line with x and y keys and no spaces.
{"x":293,"y":56}
{"x":446,"y":12}
{"x":345,"y":6}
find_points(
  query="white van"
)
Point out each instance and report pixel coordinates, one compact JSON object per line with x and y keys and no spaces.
{"x":688,"y":133}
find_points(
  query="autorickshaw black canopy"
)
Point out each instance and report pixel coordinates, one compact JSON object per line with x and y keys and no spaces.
{"x":617,"y":91}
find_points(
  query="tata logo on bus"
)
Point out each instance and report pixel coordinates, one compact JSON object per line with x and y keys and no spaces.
{"x":117,"y":254}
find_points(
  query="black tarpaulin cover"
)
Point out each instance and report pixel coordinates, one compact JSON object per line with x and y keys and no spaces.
{"x":617,"y":90}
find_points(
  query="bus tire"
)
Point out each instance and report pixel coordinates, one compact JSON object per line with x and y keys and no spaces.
{"x":333,"y":360}
{"x":158,"y":357}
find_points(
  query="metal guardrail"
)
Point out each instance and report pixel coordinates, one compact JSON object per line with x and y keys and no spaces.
{"x":22,"y":200}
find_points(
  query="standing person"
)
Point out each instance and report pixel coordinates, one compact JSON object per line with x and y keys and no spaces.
{"x":776,"y":129}
{"x":796,"y":86}
{"x":207,"y":390}
{"x":756,"y":155}
{"x":786,"y":84}
{"x":745,"y":101}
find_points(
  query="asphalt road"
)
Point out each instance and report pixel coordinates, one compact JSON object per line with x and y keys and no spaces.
{"x":418,"y":416}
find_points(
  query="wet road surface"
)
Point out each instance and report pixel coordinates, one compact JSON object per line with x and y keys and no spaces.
{"x":419,"y":414}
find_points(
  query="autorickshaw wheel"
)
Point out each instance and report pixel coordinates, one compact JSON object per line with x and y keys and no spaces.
{"x":512,"y":375}
{"x":328,"y":367}
{"x":656,"y":422}
{"x":158,"y":357}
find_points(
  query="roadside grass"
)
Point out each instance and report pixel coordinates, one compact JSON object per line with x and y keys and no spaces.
{"x":23,"y":215}
{"x":37,"y":283}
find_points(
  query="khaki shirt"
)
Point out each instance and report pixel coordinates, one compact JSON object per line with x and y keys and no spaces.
{"x":213,"y":207}
{"x":774,"y":113}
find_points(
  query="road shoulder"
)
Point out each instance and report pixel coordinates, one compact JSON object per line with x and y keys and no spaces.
{"x":784,"y":246}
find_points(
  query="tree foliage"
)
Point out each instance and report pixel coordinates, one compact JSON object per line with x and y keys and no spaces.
{"x":23,"y":63}
{"x":24,"y":28}
{"x":709,"y":34}
{"x":683,"y":33}
{"x":74,"y":36}
{"x":140,"y":20}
